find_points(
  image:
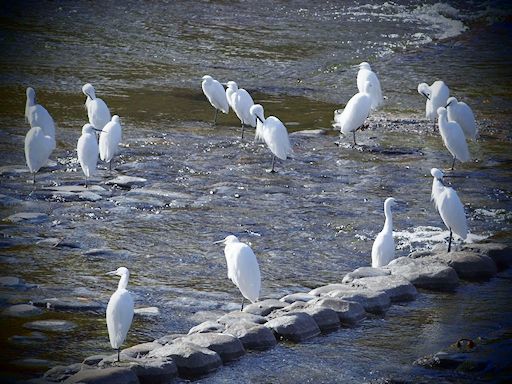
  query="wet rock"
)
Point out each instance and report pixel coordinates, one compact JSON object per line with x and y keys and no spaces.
{"x":69,"y":304}
{"x":468,"y":265}
{"x":227,"y":346}
{"x":376,"y":302}
{"x":309,"y":133}
{"x":466,"y":362}
{"x":253,"y":336}
{"x":148,"y":370}
{"x":147,"y":311}
{"x":16,"y":283}
{"x":62,"y":372}
{"x":206,"y":327}
{"x":398,"y":288}
{"x":107,"y":252}
{"x":112,"y":375}
{"x":138,"y":201}
{"x":501,"y":254}
{"x":326,"y":318}
{"x":191,"y":359}
{"x":264,"y":307}
{"x":365,"y":272}
{"x":169,"y":338}
{"x":126,"y":181}
{"x":22,"y":310}
{"x":31,"y":338}
{"x":166,"y":197}
{"x":236,"y":316}
{"x":301,"y":296}
{"x":424,"y":274}
{"x":32,"y":363}
{"x":348,"y":312}
{"x":48,"y":242}
{"x":77,"y":188}
{"x":50,"y":325}
{"x":94,"y":360}
{"x":8,"y":201}
{"x":27,"y":217}
{"x":140,"y":350}
{"x":89,"y":196}
{"x":325,"y":289}
{"x":297,"y":326}
{"x":13,"y":170}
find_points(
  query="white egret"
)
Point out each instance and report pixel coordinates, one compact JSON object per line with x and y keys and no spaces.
{"x":97,"y":110}
{"x":38,"y":148}
{"x":243,"y":268}
{"x":365,"y":74}
{"x":449,"y":206}
{"x":437,"y":94}
{"x":383,"y":249}
{"x":88,"y":151}
{"x":460,"y":112}
{"x":38,"y":116}
{"x":119,"y":311}
{"x":241,"y":102}
{"x":355,"y":113}
{"x":216,"y":95}
{"x":110,"y":137}
{"x":453,"y":137}
{"x":273,"y":132}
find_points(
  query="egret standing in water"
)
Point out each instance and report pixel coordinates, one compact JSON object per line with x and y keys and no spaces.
{"x":383,"y":249}
{"x":355,"y":113}
{"x":119,"y":311}
{"x":366,"y":74}
{"x":110,"y":137}
{"x":241,"y":102}
{"x":38,"y":116}
{"x":38,"y":148}
{"x":461,"y":113}
{"x":97,"y":110}
{"x":243,"y":268}
{"x":449,"y":206}
{"x":216,"y":95}
{"x":273,"y":132}
{"x":88,"y":151}
{"x":437,"y":94}
{"x":453,"y":137}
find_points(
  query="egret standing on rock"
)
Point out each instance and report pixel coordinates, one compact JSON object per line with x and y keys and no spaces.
{"x":216,"y":95}
{"x":453,"y":137}
{"x":355,"y":113}
{"x":38,"y":148}
{"x":461,"y":113}
{"x":110,"y":137}
{"x":97,"y":110}
{"x":38,"y":116}
{"x":241,"y":102}
{"x":449,"y":206}
{"x":273,"y":132}
{"x":366,"y":74}
{"x":383,"y":249}
{"x":243,"y":268}
{"x":88,"y":151}
{"x":437,"y":94}
{"x":119,"y":311}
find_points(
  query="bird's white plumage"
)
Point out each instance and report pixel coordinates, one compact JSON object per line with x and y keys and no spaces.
{"x":355,"y":113}
{"x":119,"y":310}
{"x":214,"y":92}
{"x":97,"y":111}
{"x":243,"y":268}
{"x":38,"y":116}
{"x":453,"y":136}
{"x":461,"y":113}
{"x":241,"y":102}
{"x":437,"y":94}
{"x":273,"y":132}
{"x":87,"y":150}
{"x":365,"y":74}
{"x":383,"y":249}
{"x":231,"y":88}
{"x":38,"y":148}
{"x":110,"y":138}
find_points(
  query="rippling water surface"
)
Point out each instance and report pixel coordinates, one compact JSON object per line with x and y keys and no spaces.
{"x":309,"y":224}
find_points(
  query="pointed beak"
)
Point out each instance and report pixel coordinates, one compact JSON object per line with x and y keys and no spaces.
{"x":97,"y":130}
{"x":110,"y":273}
{"x":219,"y":242}
{"x":225,"y":84}
{"x":424,"y":94}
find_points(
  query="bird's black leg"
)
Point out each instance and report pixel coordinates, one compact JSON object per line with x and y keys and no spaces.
{"x":243,"y":300}
{"x":243,"y":126}
{"x":34,"y":174}
{"x":273,"y":162}
{"x":118,"y":353}
{"x":85,"y":181}
{"x":354,"y":134}
{"x":215,"y":117}
{"x":453,"y":163}
{"x":450,"y":241}
{"x":110,"y":165}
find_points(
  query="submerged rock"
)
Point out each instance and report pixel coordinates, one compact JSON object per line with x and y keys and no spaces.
{"x":27,"y":217}
{"x":397,"y":287}
{"x":114,"y":375}
{"x":69,"y":304}
{"x":50,"y":325}
{"x":252,"y":336}
{"x":31,"y":338}
{"x":21,"y":310}
{"x":297,"y":326}
{"x":16,"y":283}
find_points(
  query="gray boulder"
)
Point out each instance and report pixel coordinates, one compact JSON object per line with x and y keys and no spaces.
{"x":227,"y":346}
{"x":29,"y":217}
{"x":468,"y":265}
{"x":140,"y":350}
{"x":207,"y":326}
{"x":398,"y":288}
{"x":348,"y":312}
{"x":264,"y":307}
{"x":126,"y":181}
{"x":62,"y":372}
{"x":94,"y":360}
{"x":236,"y":316}
{"x":376,"y":302}
{"x":297,"y":326}
{"x":113,"y":375}
{"x":364,"y":272}
{"x":21,"y":310}
{"x":300,"y":296}
{"x":501,"y":254}
{"x":253,"y":336}
{"x":326,"y":318}
{"x":325,"y":289}
{"x":160,"y":370}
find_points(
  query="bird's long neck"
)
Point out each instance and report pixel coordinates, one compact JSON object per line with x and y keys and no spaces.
{"x":388,"y":224}
{"x":30,"y":103}
{"x":123,"y":281}
{"x":437,"y":188}
{"x":442,"y":120}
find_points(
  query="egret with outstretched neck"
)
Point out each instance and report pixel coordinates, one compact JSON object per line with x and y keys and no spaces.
{"x":437,"y":94}
{"x":88,"y":151}
{"x":119,"y":311}
{"x":241,"y":102}
{"x":383,"y":249}
{"x":214,"y":92}
{"x":460,"y":112}
{"x":38,"y":148}
{"x":365,"y":74}
{"x":243,"y":268}
{"x":97,"y":110}
{"x":110,"y":137}
{"x":453,"y":137}
{"x":37,"y":115}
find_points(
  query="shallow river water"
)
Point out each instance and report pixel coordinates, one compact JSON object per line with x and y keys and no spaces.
{"x":309,"y":223}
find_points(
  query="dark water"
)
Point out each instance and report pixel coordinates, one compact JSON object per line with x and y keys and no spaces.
{"x":309,"y":224}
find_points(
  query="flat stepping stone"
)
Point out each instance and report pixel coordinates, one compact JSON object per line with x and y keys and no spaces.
{"x":62,"y":372}
{"x":326,"y":318}
{"x":27,"y":217}
{"x":309,"y":133}
{"x":50,"y":325}
{"x":206,"y":327}
{"x":424,"y":274}
{"x":300,"y":296}
{"x":501,"y":254}
{"x":325,"y":289}
{"x":94,"y":360}
{"x":126,"y":181}
{"x":364,"y":272}
{"x":69,"y":304}
{"x":468,"y":265}
{"x":140,"y":350}
{"x":21,"y":310}
{"x":236,"y":316}
{"x":89,"y":196}
{"x":264,"y":307}
{"x":296,"y":327}
{"x":376,"y":302}
{"x":398,"y":288}
{"x":147,"y":311}
{"x":253,"y":336}
{"x":114,"y":375}
{"x":76,"y":189}
{"x":191,"y":359}
{"x":153,"y":370}
{"x":349,"y":312}
{"x":227,"y":346}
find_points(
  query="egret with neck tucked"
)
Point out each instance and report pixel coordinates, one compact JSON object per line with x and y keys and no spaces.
{"x":38,"y":116}
{"x":97,"y":110}
{"x":38,"y":148}
{"x":437,"y":94}
{"x":449,"y":206}
{"x":460,"y":112}
{"x":119,"y":311}
{"x":273,"y":132}
{"x":110,"y":137}
{"x":243,"y":268}
{"x":214,"y":92}
{"x":365,"y":74}
{"x":383,"y":249}
{"x":241,"y":102}
{"x":453,"y":137}
{"x":88,"y":151}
